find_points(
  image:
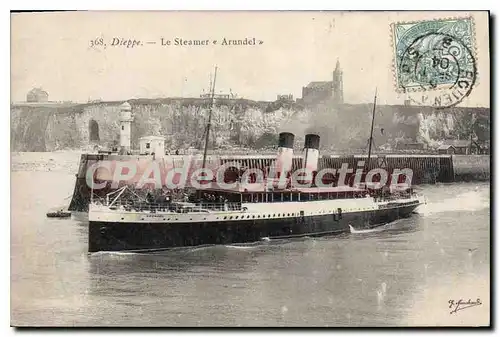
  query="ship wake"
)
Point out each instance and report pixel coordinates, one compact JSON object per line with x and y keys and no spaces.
{"x":364,"y":231}
{"x":471,"y":201}
{"x":382,"y":228}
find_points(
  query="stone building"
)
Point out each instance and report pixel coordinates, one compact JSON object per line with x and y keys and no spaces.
{"x":319,"y":91}
{"x":37,"y":95}
{"x":455,"y":147}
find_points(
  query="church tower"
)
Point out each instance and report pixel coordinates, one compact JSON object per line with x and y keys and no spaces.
{"x":338,"y":85}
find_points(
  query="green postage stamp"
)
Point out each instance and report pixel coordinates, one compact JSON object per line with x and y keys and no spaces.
{"x":436,"y":57}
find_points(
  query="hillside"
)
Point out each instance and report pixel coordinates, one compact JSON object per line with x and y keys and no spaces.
{"x":239,"y":123}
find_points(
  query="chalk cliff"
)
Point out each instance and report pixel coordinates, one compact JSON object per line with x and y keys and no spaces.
{"x":239,"y":123}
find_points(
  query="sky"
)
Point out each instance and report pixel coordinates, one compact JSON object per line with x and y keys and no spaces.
{"x":52,"y":51}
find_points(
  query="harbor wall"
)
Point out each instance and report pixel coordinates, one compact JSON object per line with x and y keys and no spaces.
{"x":427,"y":169}
{"x":471,"y":168}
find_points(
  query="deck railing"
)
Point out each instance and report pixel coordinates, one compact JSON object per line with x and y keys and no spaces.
{"x":174,"y":207}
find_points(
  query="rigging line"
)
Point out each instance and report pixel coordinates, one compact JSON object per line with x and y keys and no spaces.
{"x":371,"y":131}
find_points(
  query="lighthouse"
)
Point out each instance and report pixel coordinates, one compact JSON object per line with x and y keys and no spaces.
{"x":125,"y":126}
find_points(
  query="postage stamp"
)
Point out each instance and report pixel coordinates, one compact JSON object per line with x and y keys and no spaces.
{"x":434,"y":60}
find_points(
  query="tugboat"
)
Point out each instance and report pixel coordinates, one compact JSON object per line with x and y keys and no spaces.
{"x":59,"y":214}
{"x":281,"y":208}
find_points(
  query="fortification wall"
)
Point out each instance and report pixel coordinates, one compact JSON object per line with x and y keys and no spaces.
{"x":426,"y":169}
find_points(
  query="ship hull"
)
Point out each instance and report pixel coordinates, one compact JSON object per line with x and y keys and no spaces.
{"x":151,"y":236}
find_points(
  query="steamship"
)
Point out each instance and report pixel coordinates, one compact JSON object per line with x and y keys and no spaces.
{"x":209,"y":216}
{"x":281,"y":207}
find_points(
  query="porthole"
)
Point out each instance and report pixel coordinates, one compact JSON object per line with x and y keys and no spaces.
{"x":225,"y":217}
{"x":123,"y":218}
{"x":253,"y":216}
{"x":230,"y":217}
{"x":248,"y":216}
{"x":269,"y":215}
{"x":236,"y":217}
{"x":288,"y":214}
{"x":258,"y":216}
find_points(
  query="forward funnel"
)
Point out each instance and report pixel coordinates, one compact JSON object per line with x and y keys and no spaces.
{"x":285,"y":152}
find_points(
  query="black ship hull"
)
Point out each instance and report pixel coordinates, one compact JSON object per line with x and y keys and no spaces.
{"x":143,"y":236}
{"x":428,"y":169}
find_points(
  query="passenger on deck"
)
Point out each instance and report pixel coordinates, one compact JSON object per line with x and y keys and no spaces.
{"x":149,"y":198}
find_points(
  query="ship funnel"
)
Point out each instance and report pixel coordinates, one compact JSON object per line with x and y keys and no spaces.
{"x":285,"y":152}
{"x":311,"y":152}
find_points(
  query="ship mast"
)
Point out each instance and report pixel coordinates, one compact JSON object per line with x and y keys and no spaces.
{"x":207,"y":133}
{"x":371,"y":132}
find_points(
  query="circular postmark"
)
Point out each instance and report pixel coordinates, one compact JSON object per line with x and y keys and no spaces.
{"x":437,"y":69}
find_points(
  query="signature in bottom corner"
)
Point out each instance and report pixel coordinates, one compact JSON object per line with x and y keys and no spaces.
{"x":461,"y":305}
